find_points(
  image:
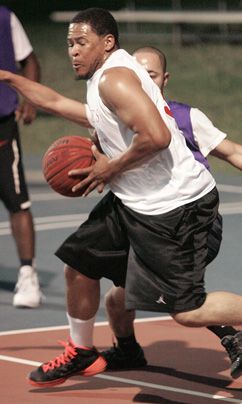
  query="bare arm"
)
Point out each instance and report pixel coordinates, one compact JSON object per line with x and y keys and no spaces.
{"x":230,"y":152}
{"x":121,"y":91}
{"x":46,"y":98}
{"x":31,"y":70}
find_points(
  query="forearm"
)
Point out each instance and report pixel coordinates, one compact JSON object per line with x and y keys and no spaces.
{"x":230,"y":152}
{"x":47,"y":99}
{"x":141,"y":150}
{"x":235,"y":160}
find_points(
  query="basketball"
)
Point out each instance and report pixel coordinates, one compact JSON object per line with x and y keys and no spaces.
{"x":65,"y":154}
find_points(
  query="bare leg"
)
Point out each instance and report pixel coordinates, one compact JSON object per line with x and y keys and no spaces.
{"x":219,"y":308}
{"x":82,"y":294}
{"x":120,"y":320}
{"x":128,"y":353}
{"x":23,"y":233}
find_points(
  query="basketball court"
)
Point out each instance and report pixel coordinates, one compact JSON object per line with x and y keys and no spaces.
{"x":185,"y":366}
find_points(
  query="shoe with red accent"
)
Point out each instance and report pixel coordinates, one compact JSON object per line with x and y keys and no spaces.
{"x":74,"y":361}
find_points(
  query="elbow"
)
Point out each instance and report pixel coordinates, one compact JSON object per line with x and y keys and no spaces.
{"x":168,"y":138}
{"x":165,"y":139}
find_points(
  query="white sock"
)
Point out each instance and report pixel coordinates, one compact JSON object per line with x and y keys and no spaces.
{"x":81,"y":331}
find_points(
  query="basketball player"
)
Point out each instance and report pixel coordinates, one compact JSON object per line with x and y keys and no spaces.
{"x":200,"y":134}
{"x":15,"y":48}
{"x":155,"y":211}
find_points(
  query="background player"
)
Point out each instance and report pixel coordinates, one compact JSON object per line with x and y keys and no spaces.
{"x":15,"y":48}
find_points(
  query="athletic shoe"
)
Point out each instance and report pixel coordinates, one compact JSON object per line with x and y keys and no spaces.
{"x":27,"y":290}
{"x":233,"y":345}
{"x":117,"y":359}
{"x":74,"y":361}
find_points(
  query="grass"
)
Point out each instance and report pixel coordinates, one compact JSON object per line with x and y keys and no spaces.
{"x":206,"y":76}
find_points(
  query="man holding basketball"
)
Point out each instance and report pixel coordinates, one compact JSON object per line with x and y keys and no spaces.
{"x":161,"y":206}
{"x":202,"y":138}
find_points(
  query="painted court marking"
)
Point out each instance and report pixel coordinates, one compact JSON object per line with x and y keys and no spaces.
{"x":114,"y":378}
{"x":134,"y":382}
{"x":74,"y":220}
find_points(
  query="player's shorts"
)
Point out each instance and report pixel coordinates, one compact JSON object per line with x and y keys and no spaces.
{"x":100,"y":247}
{"x":13,"y":189}
{"x":164,"y":255}
{"x":214,"y":239}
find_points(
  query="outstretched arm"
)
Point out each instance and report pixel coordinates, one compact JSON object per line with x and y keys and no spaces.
{"x":47,"y":99}
{"x":230,"y":152}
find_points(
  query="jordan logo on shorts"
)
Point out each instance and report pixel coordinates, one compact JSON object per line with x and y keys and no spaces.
{"x":161,"y":300}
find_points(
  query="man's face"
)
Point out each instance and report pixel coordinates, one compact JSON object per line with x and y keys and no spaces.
{"x":151,"y":62}
{"x":86,"y":50}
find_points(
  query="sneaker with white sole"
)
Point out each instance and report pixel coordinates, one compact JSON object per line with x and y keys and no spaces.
{"x":27,"y":290}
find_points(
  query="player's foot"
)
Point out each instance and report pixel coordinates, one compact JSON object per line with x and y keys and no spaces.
{"x":27,"y":290}
{"x":74,"y":361}
{"x":233,"y":345}
{"x":117,"y":359}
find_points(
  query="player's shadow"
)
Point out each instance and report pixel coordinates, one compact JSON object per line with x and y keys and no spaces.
{"x":9,"y":277}
{"x":182,"y":366}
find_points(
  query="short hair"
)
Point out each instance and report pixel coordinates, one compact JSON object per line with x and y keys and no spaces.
{"x":157,"y":51}
{"x":101,"y":21}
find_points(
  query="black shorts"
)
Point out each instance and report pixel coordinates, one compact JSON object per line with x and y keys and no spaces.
{"x":13,"y":189}
{"x":100,"y":247}
{"x":215,"y":239}
{"x":164,"y":255}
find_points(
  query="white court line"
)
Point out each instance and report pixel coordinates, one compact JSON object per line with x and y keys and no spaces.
{"x":75,"y":220}
{"x":112,"y":378}
{"x":53,"y":196}
{"x":65,"y":327}
{"x":134,"y":382}
{"x":234,"y":189}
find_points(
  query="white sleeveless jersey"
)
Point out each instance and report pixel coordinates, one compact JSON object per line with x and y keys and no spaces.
{"x":172,"y":177}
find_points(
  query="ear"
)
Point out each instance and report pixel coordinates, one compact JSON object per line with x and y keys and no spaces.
{"x":166,"y":77}
{"x":109,"y":42}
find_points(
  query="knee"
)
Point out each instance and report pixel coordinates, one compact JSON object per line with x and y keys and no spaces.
{"x":109,"y":301}
{"x":188,"y":319}
{"x":112,"y":300}
{"x":71,"y":275}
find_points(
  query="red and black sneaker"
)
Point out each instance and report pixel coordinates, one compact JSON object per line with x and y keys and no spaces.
{"x":74,"y":361}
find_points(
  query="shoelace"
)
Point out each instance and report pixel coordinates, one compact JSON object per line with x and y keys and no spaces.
{"x":67,"y":356}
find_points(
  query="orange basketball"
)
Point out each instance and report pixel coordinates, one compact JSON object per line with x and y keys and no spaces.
{"x":65,"y":154}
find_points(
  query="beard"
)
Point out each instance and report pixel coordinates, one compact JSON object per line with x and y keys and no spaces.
{"x":92,"y":68}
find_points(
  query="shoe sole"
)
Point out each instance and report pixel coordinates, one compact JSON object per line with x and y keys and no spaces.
{"x":27,"y":306}
{"x":96,"y":367}
{"x":236,"y":373}
{"x":127,"y":367}
{"x":30,"y":305}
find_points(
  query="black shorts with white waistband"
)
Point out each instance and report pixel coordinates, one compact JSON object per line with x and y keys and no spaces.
{"x":159,"y":259}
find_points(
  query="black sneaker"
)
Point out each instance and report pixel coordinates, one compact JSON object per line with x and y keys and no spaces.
{"x":233,"y":345}
{"x":74,"y":361}
{"x":117,"y":359}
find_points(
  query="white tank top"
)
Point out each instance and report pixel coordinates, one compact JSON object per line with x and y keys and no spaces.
{"x":170,"y":179}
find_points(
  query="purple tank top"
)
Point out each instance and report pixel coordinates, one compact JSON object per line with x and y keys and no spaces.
{"x":8,"y":96}
{"x":181,"y":113}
